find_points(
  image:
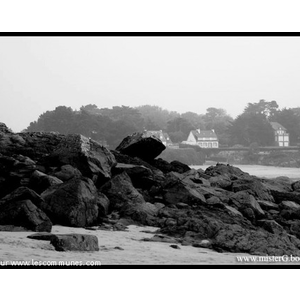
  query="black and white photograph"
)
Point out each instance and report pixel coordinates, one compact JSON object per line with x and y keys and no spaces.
{"x":149,"y":150}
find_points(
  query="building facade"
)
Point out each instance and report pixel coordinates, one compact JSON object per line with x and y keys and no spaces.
{"x":282,"y":138}
{"x":163,"y":136}
{"x":203,"y":138}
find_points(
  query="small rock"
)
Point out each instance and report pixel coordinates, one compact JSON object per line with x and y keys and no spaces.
{"x":175,"y":247}
{"x":202,"y":244}
{"x":118,"y":248}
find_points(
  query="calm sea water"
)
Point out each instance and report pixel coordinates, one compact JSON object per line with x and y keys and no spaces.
{"x":263,"y":171}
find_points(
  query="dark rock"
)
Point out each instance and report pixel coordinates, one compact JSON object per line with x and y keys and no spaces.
{"x":13,"y":228}
{"x":296,"y":186}
{"x":267,"y":205}
{"x":289,"y":205}
{"x":175,"y":190}
{"x":289,"y":214}
{"x":234,"y":238}
{"x":75,"y":242}
{"x":161,"y":238}
{"x":179,"y":167}
{"x":23,"y":193}
{"x":281,"y":191}
{"x":128,"y":201}
{"x":25,"y":214}
{"x":143,"y":213}
{"x":142,"y":146}
{"x":141,"y":176}
{"x":271,"y":226}
{"x":232,"y":211}
{"x":181,"y":205}
{"x":227,"y":233}
{"x":67,"y":172}
{"x":163,"y":165}
{"x":295,"y":228}
{"x":103,"y":204}
{"x":214,"y":201}
{"x":233,"y":173}
{"x":39,"y":181}
{"x":14,"y":172}
{"x":72,"y":203}
{"x":253,"y":187}
{"x":221,"y":181}
{"x":120,"y":191}
{"x":243,"y":201}
{"x":43,"y":236}
{"x":119,"y":248}
{"x":175,"y":247}
{"x":90,"y":158}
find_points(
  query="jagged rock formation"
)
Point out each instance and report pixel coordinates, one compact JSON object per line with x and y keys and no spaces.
{"x":50,"y":178}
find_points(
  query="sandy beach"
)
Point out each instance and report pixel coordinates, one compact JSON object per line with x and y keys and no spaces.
{"x":16,"y":248}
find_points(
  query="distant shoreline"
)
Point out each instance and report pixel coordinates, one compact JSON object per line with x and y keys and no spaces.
{"x":259,"y":170}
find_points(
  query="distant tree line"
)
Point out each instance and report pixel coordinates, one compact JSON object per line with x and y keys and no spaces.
{"x":111,"y":125}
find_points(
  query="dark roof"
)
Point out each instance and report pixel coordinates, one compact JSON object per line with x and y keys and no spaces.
{"x":204,"y":134}
{"x":277,"y":126}
{"x":159,"y":134}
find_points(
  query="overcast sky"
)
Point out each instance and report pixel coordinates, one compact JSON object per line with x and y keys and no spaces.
{"x":176,"y":73}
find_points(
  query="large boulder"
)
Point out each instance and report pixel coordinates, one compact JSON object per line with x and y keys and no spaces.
{"x":235,"y":238}
{"x":141,"y":176}
{"x":254,"y":187}
{"x":15,"y":171}
{"x":72,"y":203}
{"x":167,"y":167}
{"x":23,"y":193}
{"x":89,"y":157}
{"x":75,"y":242}
{"x":222,"y":169}
{"x":35,"y":145}
{"x":126,"y":199}
{"x":245,"y":201}
{"x":69,"y":242}
{"x":40,"y":181}
{"x":175,"y":190}
{"x":25,"y":214}
{"x":281,"y":190}
{"x":296,"y":186}
{"x":142,"y":146}
{"x":120,"y":191}
{"x":67,"y":172}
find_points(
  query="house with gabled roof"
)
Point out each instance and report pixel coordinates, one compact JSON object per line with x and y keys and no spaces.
{"x":282,"y":138}
{"x":203,"y":138}
{"x":163,"y":136}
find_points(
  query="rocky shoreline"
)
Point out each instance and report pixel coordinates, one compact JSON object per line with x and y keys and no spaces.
{"x":51,"y":179}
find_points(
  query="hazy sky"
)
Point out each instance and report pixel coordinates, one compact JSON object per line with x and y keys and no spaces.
{"x":176,"y":73}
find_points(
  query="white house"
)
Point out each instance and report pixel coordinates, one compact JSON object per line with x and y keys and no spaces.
{"x":203,"y":138}
{"x":282,"y":138}
{"x":163,"y":136}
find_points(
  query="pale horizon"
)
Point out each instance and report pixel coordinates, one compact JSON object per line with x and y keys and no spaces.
{"x":175,"y":73}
